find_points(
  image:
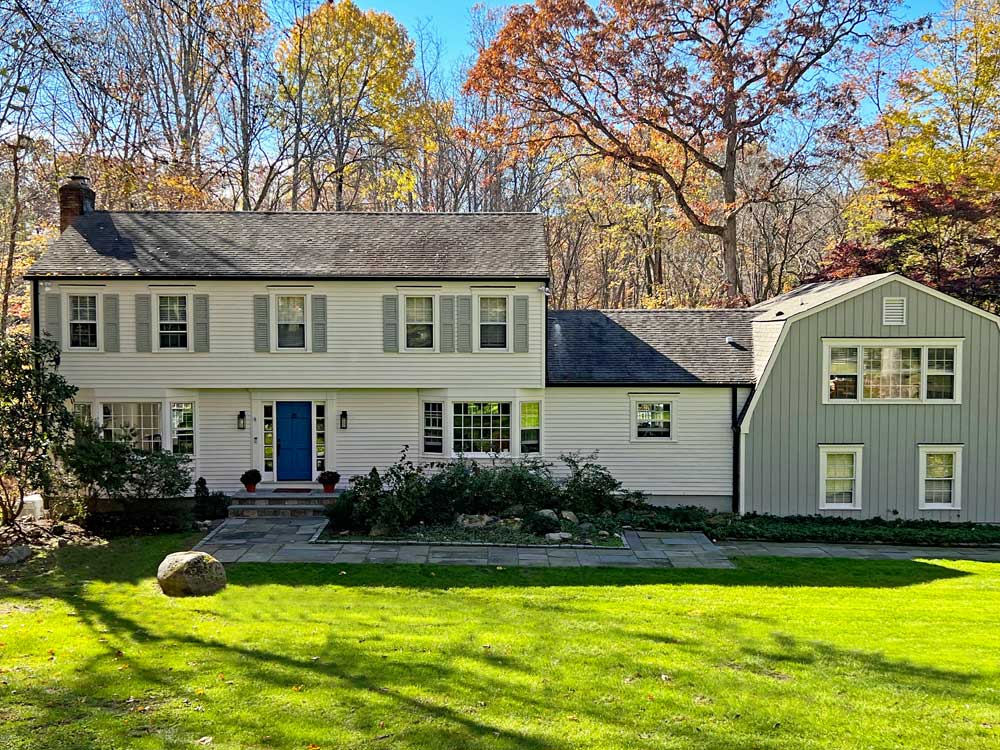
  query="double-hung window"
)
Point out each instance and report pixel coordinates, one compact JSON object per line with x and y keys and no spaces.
{"x":83,"y":321}
{"x":940,"y":477}
{"x":182,"y":427}
{"x":877,"y":371}
{"x":172,"y":316}
{"x":492,"y":322}
{"x":840,"y":477}
{"x":419,"y":322}
{"x":433,"y":427}
{"x":531,"y":427}
{"x":481,"y":427}
{"x":290,"y":314}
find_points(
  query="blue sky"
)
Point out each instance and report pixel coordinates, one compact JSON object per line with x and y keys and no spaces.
{"x":450,"y":19}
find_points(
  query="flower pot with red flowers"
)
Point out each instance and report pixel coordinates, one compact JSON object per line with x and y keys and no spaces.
{"x":329,"y":480}
{"x":250,"y":480}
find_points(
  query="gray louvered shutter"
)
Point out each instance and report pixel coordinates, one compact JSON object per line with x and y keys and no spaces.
{"x":463,"y":323}
{"x":261,"y":323}
{"x":520,"y":324}
{"x":112,"y":340}
{"x":143,"y":323}
{"x":390,"y":323}
{"x":319,"y":322}
{"x":446,"y":306}
{"x":53,"y":318}
{"x":201,"y":327}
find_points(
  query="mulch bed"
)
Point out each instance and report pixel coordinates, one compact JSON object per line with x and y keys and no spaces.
{"x":46,"y":534}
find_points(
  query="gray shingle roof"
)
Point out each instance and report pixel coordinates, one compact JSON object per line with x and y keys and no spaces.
{"x":808,"y":296}
{"x":199,"y":244}
{"x":649,"y":347}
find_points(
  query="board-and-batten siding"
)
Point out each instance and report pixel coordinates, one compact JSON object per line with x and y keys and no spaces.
{"x":790,"y":420}
{"x":355,"y":356}
{"x":696,"y":468}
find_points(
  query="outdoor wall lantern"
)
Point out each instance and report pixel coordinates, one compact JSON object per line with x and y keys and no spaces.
{"x":241,"y":421}
{"x":343,"y":420}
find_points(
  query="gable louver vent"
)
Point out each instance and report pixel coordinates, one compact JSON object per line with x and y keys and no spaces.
{"x":894,"y":311}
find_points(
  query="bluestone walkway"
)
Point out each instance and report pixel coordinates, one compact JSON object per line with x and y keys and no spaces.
{"x":294,"y":540}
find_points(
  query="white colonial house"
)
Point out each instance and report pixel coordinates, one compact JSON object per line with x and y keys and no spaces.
{"x":298,"y":342}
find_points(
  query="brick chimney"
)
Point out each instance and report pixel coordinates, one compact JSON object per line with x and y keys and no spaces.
{"x":75,"y":199}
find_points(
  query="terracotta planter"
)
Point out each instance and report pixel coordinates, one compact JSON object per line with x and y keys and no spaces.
{"x":250,"y":487}
{"x":329,"y":488}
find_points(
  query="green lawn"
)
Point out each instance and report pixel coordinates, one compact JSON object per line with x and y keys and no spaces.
{"x":780,"y":653}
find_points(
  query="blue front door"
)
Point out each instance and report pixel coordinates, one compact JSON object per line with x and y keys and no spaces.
{"x":294,"y":441}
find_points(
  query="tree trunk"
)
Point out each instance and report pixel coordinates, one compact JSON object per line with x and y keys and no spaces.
{"x":15,"y":220}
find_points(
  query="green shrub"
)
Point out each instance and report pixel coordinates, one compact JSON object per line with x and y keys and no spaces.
{"x":591,"y":489}
{"x":540,"y":525}
{"x":209,"y":506}
{"x":830,"y":529}
{"x":362,"y":497}
{"x":151,"y":516}
{"x":341,"y":512}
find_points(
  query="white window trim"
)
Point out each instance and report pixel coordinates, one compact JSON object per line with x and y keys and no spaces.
{"x":541,"y":427}
{"x":901,"y":300}
{"x":435,"y":325}
{"x":858,"y":450}
{"x":194,"y":425}
{"x":445,"y":441}
{"x":307,"y":319}
{"x":166,"y":421}
{"x":660,"y":398}
{"x":924,"y":345}
{"x":956,"y":496}
{"x":509,"y":325}
{"x":515,"y":427}
{"x":67,"y":314}
{"x":156,"y":294}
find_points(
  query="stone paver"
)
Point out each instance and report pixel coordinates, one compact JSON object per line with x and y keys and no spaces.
{"x":858,"y":551}
{"x":290,"y":540}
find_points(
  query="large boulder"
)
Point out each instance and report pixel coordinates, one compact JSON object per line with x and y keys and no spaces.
{"x":15,"y":555}
{"x":190,"y":574}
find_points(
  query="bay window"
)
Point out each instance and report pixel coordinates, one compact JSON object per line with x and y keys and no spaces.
{"x":879,"y":371}
{"x":481,"y":427}
{"x":182,"y":428}
{"x":135,"y":421}
{"x":531,"y":427}
{"x":433,"y":427}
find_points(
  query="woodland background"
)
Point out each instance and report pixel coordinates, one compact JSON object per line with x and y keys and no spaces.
{"x":685,"y":154}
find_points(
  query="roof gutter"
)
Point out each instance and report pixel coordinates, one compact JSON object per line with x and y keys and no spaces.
{"x":258,"y":277}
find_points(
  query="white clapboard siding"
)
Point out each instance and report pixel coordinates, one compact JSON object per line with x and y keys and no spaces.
{"x":379,"y":424}
{"x":355,"y":356}
{"x":697,"y":463}
{"x":223,"y":451}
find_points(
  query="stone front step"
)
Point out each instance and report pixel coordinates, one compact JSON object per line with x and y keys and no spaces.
{"x":288,"y":510}
{"x":283,"y":499}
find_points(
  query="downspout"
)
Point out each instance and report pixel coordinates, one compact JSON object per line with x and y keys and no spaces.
{"x":737,"y":425}
{"x":734,"y":401}
{"x":36,"y":323}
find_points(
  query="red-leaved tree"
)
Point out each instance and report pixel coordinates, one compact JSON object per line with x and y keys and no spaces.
{"x":945,"y":236}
